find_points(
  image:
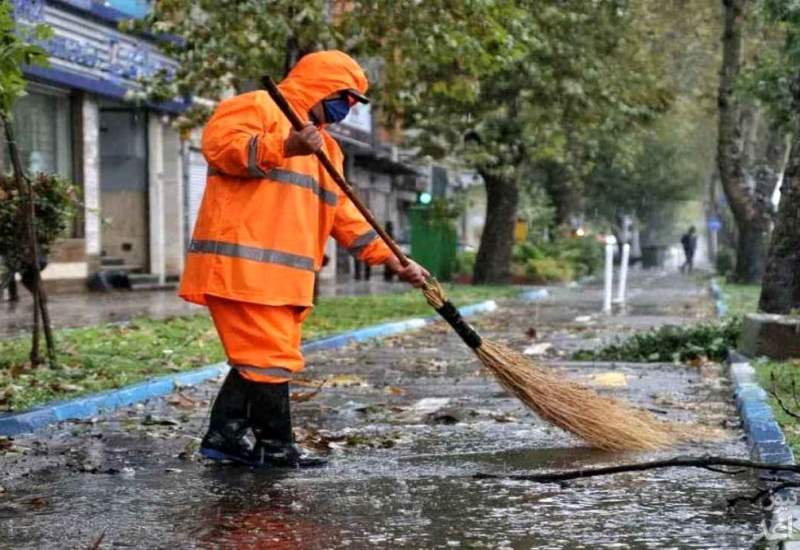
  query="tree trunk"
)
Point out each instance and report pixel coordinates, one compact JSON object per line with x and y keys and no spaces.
{"x":39,"y":296}
{"x":780,"y":291}
{"x":750,"y":221}
{"x":751,"y":251}
{"x":493,"y":262}
{"x":560,"y":186}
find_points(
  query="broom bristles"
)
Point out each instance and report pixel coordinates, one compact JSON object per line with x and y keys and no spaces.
{"x":603,"y":422}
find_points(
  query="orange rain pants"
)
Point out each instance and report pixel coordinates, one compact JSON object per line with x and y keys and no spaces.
{"x":262,"y":342}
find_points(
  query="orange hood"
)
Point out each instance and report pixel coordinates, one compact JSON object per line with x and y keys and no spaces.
{"x":318,"y":75}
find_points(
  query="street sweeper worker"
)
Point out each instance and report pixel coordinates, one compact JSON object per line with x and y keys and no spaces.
{"x":268,"y":209}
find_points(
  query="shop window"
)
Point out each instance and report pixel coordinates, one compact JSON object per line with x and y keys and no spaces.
{"x":42,"y":128}
{"x":44,"y":131}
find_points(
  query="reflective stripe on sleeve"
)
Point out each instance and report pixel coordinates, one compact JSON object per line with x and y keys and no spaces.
{"x":361,"y":242}
{"x":252,"y":159}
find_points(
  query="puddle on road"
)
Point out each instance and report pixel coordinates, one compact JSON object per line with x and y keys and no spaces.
{"x":421,"y":495}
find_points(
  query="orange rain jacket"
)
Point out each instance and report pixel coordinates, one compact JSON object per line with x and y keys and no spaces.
{"x":264,"y":219}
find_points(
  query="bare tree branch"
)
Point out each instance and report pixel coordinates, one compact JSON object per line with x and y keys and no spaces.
{"x":774,"y":393}
{"x":676,"y":462}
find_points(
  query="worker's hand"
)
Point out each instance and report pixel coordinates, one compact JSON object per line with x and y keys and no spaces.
{"x":414,"y":274}
{"x":305,"y":142}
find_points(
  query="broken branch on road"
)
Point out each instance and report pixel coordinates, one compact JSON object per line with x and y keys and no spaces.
{"x":708,"y":463}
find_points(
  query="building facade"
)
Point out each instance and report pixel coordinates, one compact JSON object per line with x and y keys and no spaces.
{"x":126,"y":158}
{"x":141,"y":184}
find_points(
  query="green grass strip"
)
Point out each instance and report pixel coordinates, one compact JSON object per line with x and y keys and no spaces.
{"x":781,"y":377}
{"x":104,"y":357}
{"x":741,"y":299}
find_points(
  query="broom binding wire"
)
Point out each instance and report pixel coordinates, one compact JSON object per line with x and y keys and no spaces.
{"x":450,"y":313}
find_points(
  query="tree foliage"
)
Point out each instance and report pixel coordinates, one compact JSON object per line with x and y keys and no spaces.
{"x":505,"y":86}
{"x":56,"y":205}
{"x":17,"y":48}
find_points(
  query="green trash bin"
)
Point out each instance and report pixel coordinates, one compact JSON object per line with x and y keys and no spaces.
{"x":433,"y":242}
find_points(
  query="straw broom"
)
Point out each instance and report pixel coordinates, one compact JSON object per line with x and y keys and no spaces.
{"x":603,"y":422}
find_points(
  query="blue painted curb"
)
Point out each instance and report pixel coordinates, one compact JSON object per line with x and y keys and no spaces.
{"x":91,"y":405}
{"x":719,"y":299}
{"x":764,"y":435}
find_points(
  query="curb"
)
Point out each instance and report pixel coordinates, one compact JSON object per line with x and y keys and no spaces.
{"x":764,"y":435}
{"x":765,"y":438}
{"x":719,"y":299}
{"x":93,"y":404}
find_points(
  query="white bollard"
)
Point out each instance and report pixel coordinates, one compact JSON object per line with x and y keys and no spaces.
{"x":611,"y":242}
{"x":623,"y":273}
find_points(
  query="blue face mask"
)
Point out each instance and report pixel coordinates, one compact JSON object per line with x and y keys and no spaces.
{"x":335,"y":109}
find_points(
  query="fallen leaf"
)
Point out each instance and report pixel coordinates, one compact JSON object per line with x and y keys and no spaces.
{"x":181,"y":401}
{"x":151,"y":420}
{"x":538,"y":349}
{"x":346,"y":380}
{"x":609,"y":379}
{"x":699,"y":361}
{"x":307,"y":382}
{"x":503,"y":418}
{"x":38,"y":502}
{"x":301,"y":397}
{"x":68,"y":388}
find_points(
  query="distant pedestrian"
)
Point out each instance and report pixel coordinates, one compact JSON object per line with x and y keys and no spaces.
{"x":689,"y":243}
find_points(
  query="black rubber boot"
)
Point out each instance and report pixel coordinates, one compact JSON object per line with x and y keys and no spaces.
{"x":271,"y":419}
{"x":226,"y":438}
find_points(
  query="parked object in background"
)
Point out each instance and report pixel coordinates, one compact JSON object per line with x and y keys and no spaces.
{"x":106,"y":280}
{"x":434,"y":240}
{"x":689,"y":243}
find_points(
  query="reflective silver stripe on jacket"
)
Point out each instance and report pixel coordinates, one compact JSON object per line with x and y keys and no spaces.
{"x":361,"y":242}
{"x":264,"y":255}
{"x":265,"y":371}
{"x":283,"y":176}
{"x":252,"y":159}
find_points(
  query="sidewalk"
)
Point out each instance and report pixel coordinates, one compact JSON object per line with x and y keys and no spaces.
{"x":407,"y":422}
{"x":90,"y":308}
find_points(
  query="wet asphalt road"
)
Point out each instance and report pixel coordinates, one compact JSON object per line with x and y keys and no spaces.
{"x":406,"y":422}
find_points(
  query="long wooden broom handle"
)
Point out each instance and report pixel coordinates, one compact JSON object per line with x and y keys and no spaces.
{"x":348,"y":190}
